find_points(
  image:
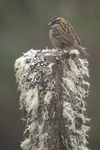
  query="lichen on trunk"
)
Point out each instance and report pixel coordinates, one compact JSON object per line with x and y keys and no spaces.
{"x":53,"y":89}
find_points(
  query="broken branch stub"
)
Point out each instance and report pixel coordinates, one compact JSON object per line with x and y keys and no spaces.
{"x":52,"y":89}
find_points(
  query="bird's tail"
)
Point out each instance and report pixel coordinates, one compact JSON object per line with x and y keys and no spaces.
{"x":81,"y":50}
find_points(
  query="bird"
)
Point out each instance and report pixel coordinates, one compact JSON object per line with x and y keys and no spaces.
{"x":63,"y":36}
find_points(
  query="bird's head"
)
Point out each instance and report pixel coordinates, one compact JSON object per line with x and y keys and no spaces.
{"x":55,"y":21}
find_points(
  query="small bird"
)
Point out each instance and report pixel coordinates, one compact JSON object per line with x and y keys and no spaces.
{"x":63,"y":36}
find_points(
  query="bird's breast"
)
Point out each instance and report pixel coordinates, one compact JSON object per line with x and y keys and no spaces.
{"x":54,"y":41}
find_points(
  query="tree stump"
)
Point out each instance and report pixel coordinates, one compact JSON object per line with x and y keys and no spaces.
{"x":52,"y":89}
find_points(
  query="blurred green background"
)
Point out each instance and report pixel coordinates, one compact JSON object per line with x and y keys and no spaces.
{"x":24,"y":25}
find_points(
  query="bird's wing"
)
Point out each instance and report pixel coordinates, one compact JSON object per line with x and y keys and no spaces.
{"x":77,"y":40}
{"x":66,"y":35}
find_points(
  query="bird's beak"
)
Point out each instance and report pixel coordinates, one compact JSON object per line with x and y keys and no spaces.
{"x":49,"y":24}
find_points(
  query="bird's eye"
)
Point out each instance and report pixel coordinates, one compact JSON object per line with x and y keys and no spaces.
{"x":54,"y":21}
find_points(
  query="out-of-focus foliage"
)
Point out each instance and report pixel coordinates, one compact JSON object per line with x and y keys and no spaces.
{"x":24,"y":25}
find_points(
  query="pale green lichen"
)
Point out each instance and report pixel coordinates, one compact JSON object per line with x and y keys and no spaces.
{"x":75,"y":88}
{"x":37,"y":85}
{"x":31,"y":73}
{"x":25,"y":145}
{"x":48,"y":98}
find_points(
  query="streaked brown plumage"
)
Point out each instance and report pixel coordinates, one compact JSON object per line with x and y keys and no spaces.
{"x":62,"y":35}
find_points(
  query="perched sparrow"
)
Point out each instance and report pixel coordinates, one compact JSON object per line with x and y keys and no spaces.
{"x":62,"y":35}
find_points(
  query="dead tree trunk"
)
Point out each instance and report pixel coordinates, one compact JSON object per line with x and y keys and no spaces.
{"x":52,"y":89}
